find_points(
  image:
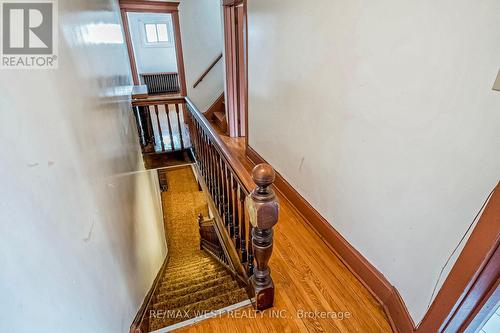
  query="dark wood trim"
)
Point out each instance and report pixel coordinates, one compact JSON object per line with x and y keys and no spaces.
{"x":485,"y":307}
{"x":469,"y":266}
{"x":179,"y":53}
{"x":224,"y":236}
{"x":154,"y":7}
{"x":458,"y":294}
{"x":232,"y":2}
{"x":234,"y":163}
{"x":236,"y":65}
{"x":156,"y":100}
{"x":212,"y":65}
{"x":130,"y":48}
{"x":139,"y":325}
{"x":149,"y":6}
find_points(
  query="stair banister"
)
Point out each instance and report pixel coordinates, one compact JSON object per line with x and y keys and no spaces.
{"x":244,"y":205}
{"x":263,"y":209}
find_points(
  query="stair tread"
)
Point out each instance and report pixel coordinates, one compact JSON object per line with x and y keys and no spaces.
{"x":185,"y":283}
{"x":182,"y":266}
{"x":192,"y":297}
{"x":221,"y":116}
{"x":196,"y":309}
{"x":173,"y":278}
{"x":194,"y":288}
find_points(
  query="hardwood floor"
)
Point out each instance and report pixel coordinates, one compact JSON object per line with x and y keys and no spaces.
{"x":315,"y":292}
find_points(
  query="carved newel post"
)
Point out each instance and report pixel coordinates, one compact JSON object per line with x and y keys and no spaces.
{"x":263,"y":211}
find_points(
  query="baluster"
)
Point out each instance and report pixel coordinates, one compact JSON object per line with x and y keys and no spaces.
{"x":223,"y":192}
{"x":147,"y":127}
{"x":219,"y":184}
{"x":179,"y":124}
{"x":263,"y":204}
{"x":159,"y":128}
{"x":216,"y":177}
{"x":234,"y":212}
{"x":202,"y":153}
{"x":150,"y":129}
{"x":243,"y":226}
{"x":140,"y":132}
{"x":205,"y":149}
{"x":167,"y":111}
{"x":250,"y":265}
{"x":229,"y":208}
{"x":207,"y":156}
{"x":212,"y":173}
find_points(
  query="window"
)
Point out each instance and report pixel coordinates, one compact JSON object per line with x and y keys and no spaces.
{"x":156,"y":33}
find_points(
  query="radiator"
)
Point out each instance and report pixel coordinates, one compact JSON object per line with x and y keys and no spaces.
{"x":160,"y":83}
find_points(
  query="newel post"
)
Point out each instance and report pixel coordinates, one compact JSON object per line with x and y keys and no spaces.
{"x":262,"y":205}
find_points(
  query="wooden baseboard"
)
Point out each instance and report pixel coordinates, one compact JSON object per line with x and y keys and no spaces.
{"x":138,"y":325}
{"x":365,"y":272}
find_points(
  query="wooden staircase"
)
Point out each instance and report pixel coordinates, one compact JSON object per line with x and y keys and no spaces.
{"x":220,"y":121}
{"x":197,"y":278}
{"x":189,"y":290}
{"x":218,"y":262}
{"x":216,"y":114}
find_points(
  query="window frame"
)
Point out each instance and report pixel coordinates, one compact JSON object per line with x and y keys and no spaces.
{"x":170,"y":34}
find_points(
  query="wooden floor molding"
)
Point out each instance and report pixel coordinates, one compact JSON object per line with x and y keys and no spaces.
{"x":367,"y":274}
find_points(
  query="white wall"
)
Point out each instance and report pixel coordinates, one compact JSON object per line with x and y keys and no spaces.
{"x":202,"y":42}
{"x":381,"y":114}
{"x":81,"y":237}
{"x":151,"y":58}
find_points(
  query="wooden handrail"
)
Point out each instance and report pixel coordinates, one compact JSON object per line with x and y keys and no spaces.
{"x":245,"y":207}
{"x":152,"y":100}
{"x":219,"y":57}
{"x":237,"y":167}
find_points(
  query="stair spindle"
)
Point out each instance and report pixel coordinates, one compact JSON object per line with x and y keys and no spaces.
{"x":167,"y":111}
{"x":159,"y":128}
{"x":179,"y":125}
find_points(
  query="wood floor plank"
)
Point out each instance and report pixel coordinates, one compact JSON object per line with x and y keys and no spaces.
{"x":308,"y":277}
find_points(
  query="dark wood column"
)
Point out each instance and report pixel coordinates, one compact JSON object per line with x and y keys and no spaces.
{"x":263,"y":209}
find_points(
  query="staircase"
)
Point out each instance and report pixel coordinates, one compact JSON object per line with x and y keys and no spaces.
{"x":220,"y":119}
{"x":216,"y":114}
{"x":197,"y":278}
{"x":190,"y":289}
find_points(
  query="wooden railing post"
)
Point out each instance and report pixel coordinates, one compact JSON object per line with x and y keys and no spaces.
{"x":263,"y":209}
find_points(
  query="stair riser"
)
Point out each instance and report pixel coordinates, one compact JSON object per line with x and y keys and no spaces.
{"x":187,"y":266}
{"x":191,"y":311}
{"x":163,"y":297}
{"x":168,"y":287}
{"x":175,"y":303}
{"x":194,"y":275}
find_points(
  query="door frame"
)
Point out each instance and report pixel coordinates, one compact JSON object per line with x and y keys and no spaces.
{"x":142,"y":6}
{"x":470,"y":288}
{"x":236,"y":80}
